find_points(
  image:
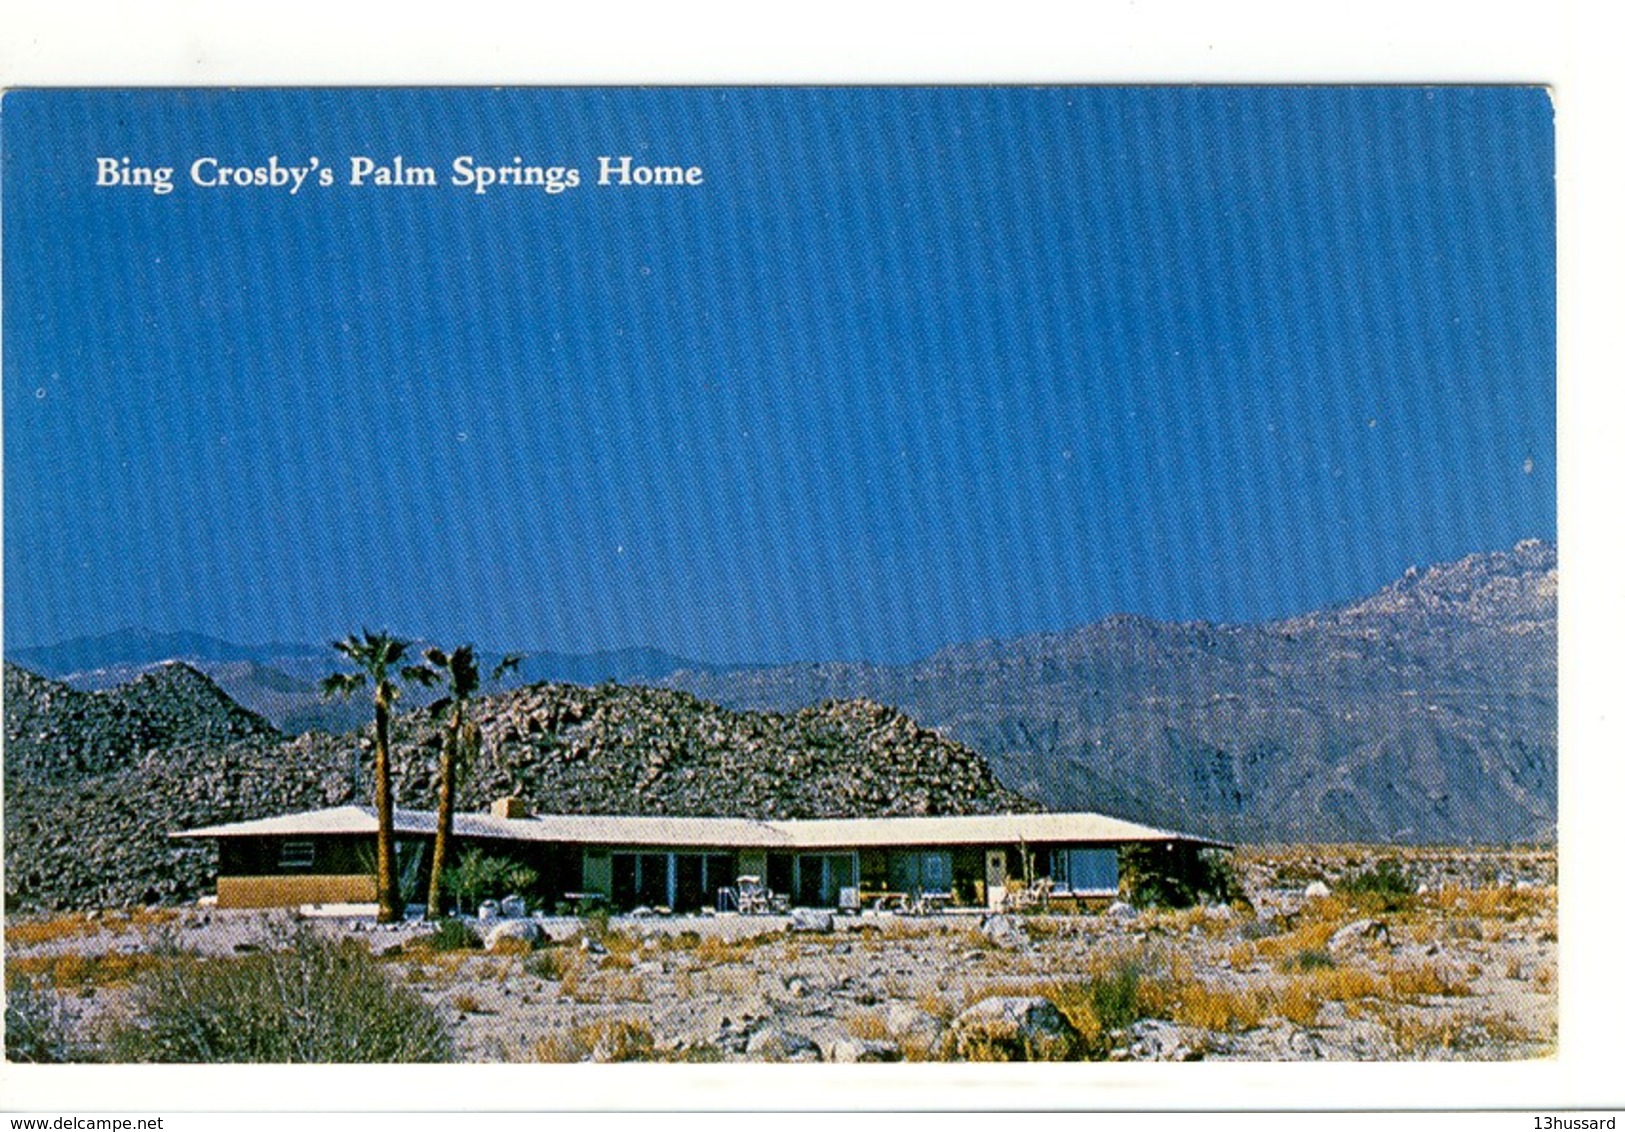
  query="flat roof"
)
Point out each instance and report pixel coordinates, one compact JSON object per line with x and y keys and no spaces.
{"x":718,"y":832}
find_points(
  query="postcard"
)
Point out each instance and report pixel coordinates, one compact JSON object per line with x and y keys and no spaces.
{"x":739,"y":575}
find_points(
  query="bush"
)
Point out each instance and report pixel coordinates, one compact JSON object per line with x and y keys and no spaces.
{"x":1115,"y":996}
{"x":612,"y":1040}
{"x":479,"y":875}
{"x":547,"y":965}
{"x":1159,"y":876}
{"x":1311,"y":959}
{"x":595,"y":923}
{"x":452,"y":934}
{"x":303,"y":999}
{"x":1386,"y":886}
{"x":39,"y":1028}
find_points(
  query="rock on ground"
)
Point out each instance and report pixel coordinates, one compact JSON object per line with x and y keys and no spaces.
{"x":1027,"y":1028}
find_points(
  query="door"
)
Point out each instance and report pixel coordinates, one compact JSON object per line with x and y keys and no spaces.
{"x":997,"y":868}
{"x":998,"y":874}
{"x":690,"y":883}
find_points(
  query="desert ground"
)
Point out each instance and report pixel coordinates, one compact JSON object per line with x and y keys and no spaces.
{"x":1336,"y":952}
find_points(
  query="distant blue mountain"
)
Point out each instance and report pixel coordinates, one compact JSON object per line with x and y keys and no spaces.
{"x":279,"y":681}
{"x":142,"y":647}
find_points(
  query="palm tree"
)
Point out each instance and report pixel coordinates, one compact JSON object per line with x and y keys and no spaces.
{"x":462,"y":673}
{"x":378,"y":656}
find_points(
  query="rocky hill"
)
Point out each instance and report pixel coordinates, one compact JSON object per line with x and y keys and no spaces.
{"x":95,"y":781}
{"x":1426,"y":712}
{"x":54,"y":732}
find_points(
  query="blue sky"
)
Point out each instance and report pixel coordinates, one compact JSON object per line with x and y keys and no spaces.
{"x":909,"y":367}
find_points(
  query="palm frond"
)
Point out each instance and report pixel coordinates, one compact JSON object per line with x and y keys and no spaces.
{"x":465,"y":671}
{"x":342,"y":684}
{"x":507,"y":664}
{"x":435,"y":656}
{"x":420,"y":674}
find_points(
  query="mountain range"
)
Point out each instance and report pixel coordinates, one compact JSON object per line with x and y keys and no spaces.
{"x":1424,"y":712}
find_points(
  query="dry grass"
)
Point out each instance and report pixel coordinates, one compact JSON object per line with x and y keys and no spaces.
{"x":29,"y":933}
{"x":1204,"y":919}
{"x":869,"y":1025}
{"x":73,"y":971}
{"x":939,"y":1006}
{"x":424,"y":966}
{"x":1212,"y":1007}
{"x":512,"y":946}
{"x":1495,"y":903}
{"x":729,"y":981}
{"x":1425,"y":980}
{"x":1419,"y":1034}
{"x":466,"y":1003}
{"x":713,"y":951}
{"x":1310,"y":936}
{"x":615,"y":1039}
{"x":1242,"y":955}
{"x":32,"y":932}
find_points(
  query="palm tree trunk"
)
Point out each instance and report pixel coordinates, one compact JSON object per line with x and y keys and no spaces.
{"x":389,"y":892}
{"x":442,"y":828}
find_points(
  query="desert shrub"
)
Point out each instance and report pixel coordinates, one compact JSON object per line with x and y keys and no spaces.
{"x":1310,"y":959}
{"x":612,"y":1040}
{"x":1426,"y":980}
{"x":595,"y":923}
{"x":452,"y":934}
{"x":39,"y":1026}
{"x":303,"y":999}
{"x":1212,"y":1007}
{"x":1161,"y":876}
{"x":479,"y":875}
{"x":1385,"y":886}
{"x":549,"y":964}
{"x":1114,"y":997}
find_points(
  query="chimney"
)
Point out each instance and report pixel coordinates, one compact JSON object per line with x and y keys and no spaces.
{"x":510,"y":807}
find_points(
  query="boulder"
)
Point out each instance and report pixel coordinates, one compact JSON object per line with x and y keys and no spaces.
{"x":774,"y":1044}
{"x":1152,"y":1039}
{"x":812,"y":920}
{"x":907,"y":1022}
{"x":489,"y":910}
{"x":1027,"y":1028}
{"x":1002,"y":931}
{"x":514,"y":906}
{"x":520,"y":931}
{"x":1351,"y":936}
{"x":1316,"y":888}
{"x":1122,"y":911}
{"x":853,"y":1050}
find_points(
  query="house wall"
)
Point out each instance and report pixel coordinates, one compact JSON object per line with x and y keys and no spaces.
{"x":271,"y":872}
{"x":289,"y":891}
{"x":270,"y":856}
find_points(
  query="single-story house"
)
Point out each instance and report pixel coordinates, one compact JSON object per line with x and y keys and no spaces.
{"x":686,"y":863}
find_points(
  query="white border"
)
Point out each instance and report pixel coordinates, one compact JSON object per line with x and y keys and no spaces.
{"x":846,"y":41}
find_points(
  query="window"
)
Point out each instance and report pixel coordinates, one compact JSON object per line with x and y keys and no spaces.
{"x":1084,"y":870}
{"x":921,"y":872}
{"x":297,"y":855}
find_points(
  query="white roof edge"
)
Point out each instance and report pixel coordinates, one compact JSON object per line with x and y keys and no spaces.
{"x":794,"y":833}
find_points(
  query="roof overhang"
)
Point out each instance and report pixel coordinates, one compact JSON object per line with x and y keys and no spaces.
{"x":722,"y":832}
